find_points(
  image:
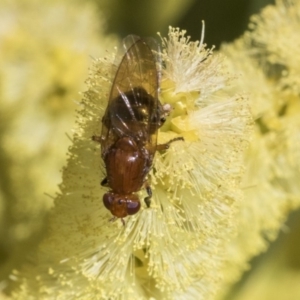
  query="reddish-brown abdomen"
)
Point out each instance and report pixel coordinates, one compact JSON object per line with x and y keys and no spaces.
{"x":126,"y":165}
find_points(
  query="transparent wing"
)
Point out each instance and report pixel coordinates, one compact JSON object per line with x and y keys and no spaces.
{"x":133,"y":107}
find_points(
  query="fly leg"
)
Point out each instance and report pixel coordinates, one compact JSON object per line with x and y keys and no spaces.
{"x":97,"y":138}
{"x":104,"y":182}
{"x":167,"y":145}
{"x":149,"y":192}
{"x":159,"y":148}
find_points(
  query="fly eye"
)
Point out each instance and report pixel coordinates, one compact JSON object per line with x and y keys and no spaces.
{"x":108,"y":200}
{"x":133,"y":207}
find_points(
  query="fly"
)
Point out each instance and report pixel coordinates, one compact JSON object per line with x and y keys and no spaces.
{"x":129,"y":129}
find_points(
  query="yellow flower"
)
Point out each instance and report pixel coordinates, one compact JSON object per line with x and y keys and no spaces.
{"x":216,"y":202}
{"x":173,"y":249}
{"x":44,"y":56}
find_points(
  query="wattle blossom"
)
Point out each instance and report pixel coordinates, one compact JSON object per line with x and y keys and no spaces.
{"x":175,"y":247}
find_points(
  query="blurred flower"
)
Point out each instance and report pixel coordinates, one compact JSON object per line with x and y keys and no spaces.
{"x":44,"y":56}
{"x":275,"y":42}
{"x":175,"y":248}
{"x":276,"y":276}
{"x":144,"y":17}
{"x":271,"y":186}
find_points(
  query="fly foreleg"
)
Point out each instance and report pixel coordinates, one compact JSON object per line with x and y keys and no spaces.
{"x":167,"y":145}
